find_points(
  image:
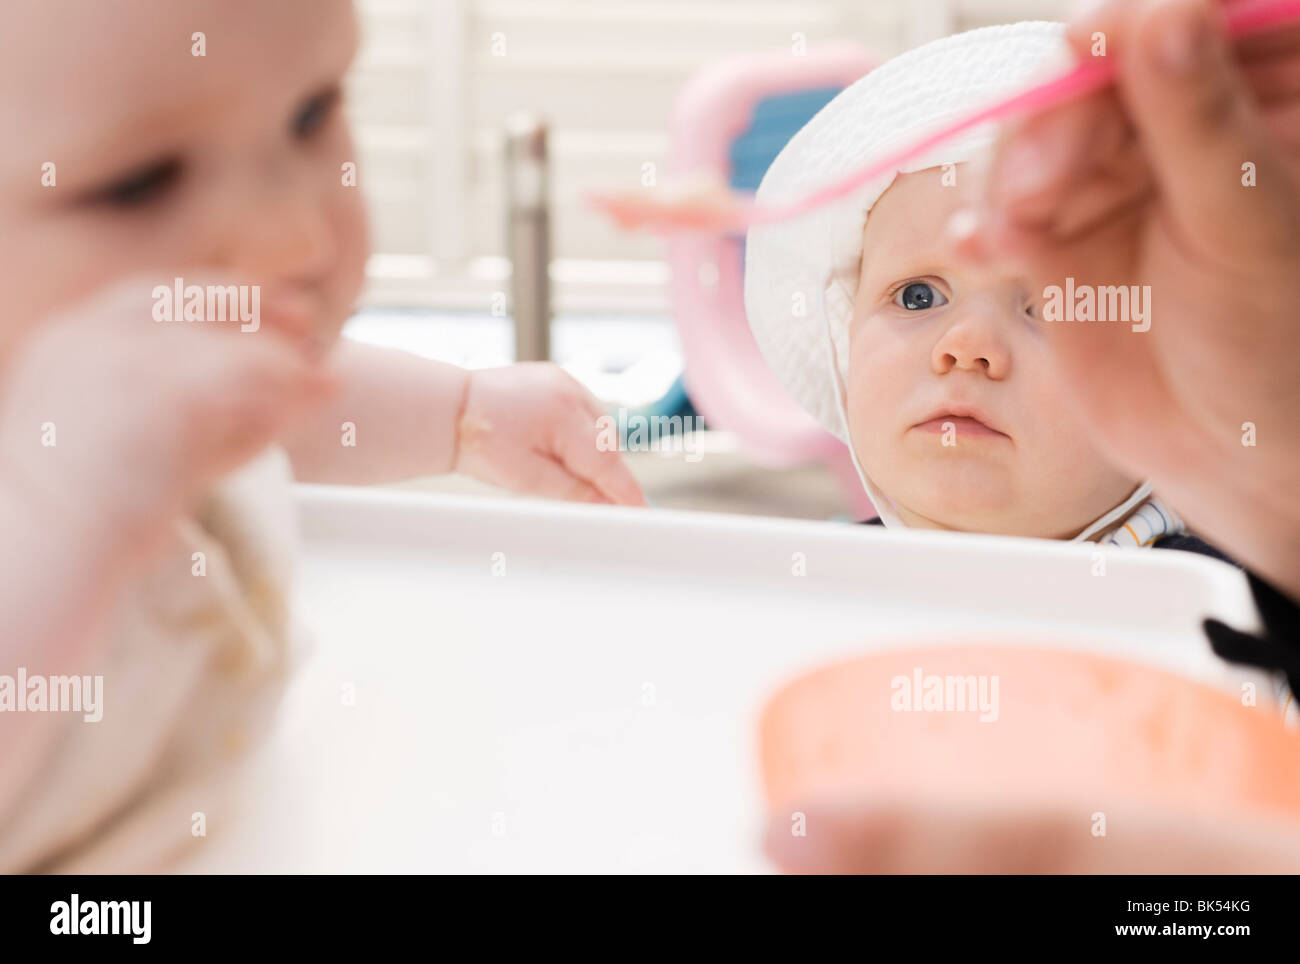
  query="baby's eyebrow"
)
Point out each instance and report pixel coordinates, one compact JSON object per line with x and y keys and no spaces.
{"x":888,"y":258}
{"x":881,"y":272}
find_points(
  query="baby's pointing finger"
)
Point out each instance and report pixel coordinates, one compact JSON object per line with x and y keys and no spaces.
{"x":579,"y":446}
{"x":549,"y":479}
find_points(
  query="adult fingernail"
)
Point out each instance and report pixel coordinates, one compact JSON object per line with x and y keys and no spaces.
{"x":962,"y":236}
{"x":963,"y":225}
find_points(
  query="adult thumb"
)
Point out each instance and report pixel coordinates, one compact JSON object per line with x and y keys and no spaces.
{"x":1217,"y":169}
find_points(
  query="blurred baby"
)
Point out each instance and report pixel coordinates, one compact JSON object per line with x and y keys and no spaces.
{"x":154,"y":153}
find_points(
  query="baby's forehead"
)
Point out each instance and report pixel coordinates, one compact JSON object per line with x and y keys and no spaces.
{"x":87,"y":67}
{"x":915,"y":199}
{"x":909,"y":219}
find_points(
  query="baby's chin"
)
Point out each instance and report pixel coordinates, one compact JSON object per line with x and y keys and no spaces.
{"x":942,"y":504}
{"x":961,"y":493}
{"x":978,"y":491}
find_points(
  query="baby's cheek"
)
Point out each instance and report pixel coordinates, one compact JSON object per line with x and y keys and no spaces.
{"x":877,"y":382}
{"x":1063,"y":468}
{"x":37,"y":283}
{"x":861,"y":410}
{"x":869,"y":403}
{"x":350,"y":217}
{"x":351,"y":230}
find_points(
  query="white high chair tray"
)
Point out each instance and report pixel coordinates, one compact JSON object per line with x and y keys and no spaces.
{"x":515,"y":685}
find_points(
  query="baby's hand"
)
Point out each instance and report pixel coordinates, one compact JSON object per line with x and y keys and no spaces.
{"x":533,"y":428}
{"x":109,"y":416}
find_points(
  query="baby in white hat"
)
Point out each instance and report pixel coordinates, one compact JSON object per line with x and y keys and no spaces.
{"x":937,"y":375}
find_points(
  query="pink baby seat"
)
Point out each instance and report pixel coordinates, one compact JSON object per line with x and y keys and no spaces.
{"x":730,"y":121}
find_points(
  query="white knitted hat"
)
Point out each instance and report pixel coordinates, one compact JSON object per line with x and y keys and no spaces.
{"x":801,"y":276}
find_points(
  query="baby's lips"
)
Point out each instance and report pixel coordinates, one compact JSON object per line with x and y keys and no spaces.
{"x":291,"y":313}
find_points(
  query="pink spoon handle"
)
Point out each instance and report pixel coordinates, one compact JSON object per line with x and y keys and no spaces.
{"x":1241,"y":19}
{"x":1078,"y":81}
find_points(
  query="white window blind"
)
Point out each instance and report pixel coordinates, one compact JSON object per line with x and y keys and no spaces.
{"x":436,"y":80}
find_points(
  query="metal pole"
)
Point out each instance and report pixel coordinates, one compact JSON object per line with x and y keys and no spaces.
{"x":528,"y":235}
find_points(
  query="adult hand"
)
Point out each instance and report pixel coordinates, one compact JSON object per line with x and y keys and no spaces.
{"x":931,"y":836}
{"x":1184,"y":178}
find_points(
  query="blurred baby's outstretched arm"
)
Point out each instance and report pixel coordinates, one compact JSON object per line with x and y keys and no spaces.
{"x":528,"y":427}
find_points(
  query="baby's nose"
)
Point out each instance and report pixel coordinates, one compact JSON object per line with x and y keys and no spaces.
{"x":294,"y":244}
{"x":276,"y":227}
{"x":972,"y":343}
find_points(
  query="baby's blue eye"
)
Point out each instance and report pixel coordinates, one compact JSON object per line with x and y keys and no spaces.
{"x":918,"y":296}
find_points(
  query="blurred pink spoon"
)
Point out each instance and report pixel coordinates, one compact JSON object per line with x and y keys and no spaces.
{"x":717,"y":209}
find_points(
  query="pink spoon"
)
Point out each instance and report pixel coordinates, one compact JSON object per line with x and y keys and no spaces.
{"x":717,"y":209}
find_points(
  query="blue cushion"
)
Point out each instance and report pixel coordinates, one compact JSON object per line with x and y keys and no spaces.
{"x":776,"y":119}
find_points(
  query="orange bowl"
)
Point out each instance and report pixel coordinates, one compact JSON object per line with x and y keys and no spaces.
{"x":1029,"y":726}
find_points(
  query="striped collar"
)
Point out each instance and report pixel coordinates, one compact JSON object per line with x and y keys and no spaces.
{"x":1150,"y":521}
